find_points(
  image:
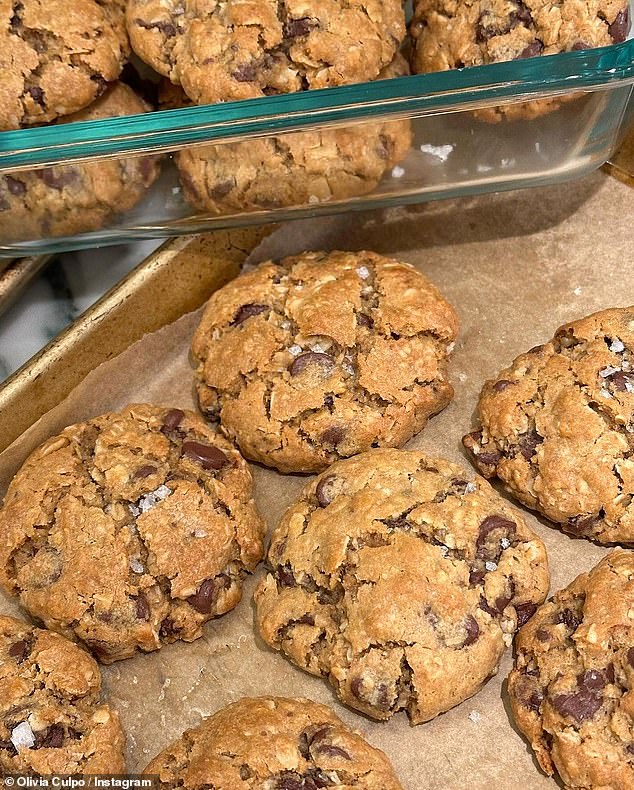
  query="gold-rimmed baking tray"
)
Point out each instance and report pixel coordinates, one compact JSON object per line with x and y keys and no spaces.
{"x":516,"y":266}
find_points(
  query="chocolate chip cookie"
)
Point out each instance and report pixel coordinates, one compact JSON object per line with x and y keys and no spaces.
{"x":400,"y":579}
{"x":323,"y":355}
{"x":557,"y":427}
{"x":130,"y":530}
{"x":57,"y":57}
{"x":572,"y":686}
{"x":450,"y":34}
{"x":236,"y":50}
{"x":291,"y":169}
{"x":51,"y":717}
{"x":273,"y":743}
{"x":68,"y":199}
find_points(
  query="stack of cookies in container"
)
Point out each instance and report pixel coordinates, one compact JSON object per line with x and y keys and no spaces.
{"x":398,"y":577}
{"x":61,"y":62}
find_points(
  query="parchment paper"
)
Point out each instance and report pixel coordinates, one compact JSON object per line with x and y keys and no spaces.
{"x":516,"y":266}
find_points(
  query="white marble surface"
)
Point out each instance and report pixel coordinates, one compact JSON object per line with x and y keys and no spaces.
{"x":60,"y":293}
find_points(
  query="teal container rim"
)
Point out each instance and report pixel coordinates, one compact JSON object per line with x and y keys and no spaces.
{"x":415,"y":95}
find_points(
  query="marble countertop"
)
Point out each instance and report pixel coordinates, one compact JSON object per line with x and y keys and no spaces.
{"x":61,"y":292}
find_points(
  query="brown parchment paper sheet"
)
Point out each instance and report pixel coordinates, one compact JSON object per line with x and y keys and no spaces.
{"x":516,"y":266}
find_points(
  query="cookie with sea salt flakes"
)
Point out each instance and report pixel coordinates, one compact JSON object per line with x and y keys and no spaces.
{"x":130,"y":530}
{"x":557,"y":427}
{"x":572,"y":686}
{"x":57,"y":57}
{"x":272,"y":743}
{"x":52,"y":718}
{"x":401,"y":579}
{"x":323,"y":355}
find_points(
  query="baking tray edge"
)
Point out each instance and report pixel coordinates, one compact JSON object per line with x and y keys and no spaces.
{"x":175,"y":279}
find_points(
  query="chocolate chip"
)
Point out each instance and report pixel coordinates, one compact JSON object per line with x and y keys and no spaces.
{"x":591,"y":679}
{"x":570,"y":619}
{"x":167,"y":28}
{"x":579,"y":706}
{"x":502,"y":384}
{"x":491,"y":549}
{"x":529,"y":442}
{"x":330,"y":750}
{"x":204,"y":454}
{"x":334,"y":435}
{"x":207,"y":594}
{"x":330,"y":596}
{"x":484,"y":605}
{"x":630,"y":656}
{"x":19,"y":650}
{"x":288,"y":780}
{"x":168,"y":629}
{"x":534,"y":701}
{"x":15,"y":187}
{"x":7,"y":746}
{"x":221,"y":189}
{"x":144,"y":471}
{"x":532,"y":51}
{"x":363,"y":319}
{"x":52,"y":738}
{"x":245,"y":772}
{"x":325,"y":490}
{"x":473,"y":630}
{"x":502,"y":601}
{"x":580,"y":45}
{"x":583,"y":524}
{"x":294,"y":28}
{"x":247,"y":72}
{"x":524,"y":612}
{"x":247,"y":311}
{"x":618,"y":29}
{"x":285,"y":576}
{"x":305,"y":619}
{"x":609,"y":673}
{"x":142,"y":607}
{"x":37,"y":94}
{"x":620,"y":381}
{"x":356,"y":688}
{"x":476,"y":576}
{"x":57,"y":178}
{"x":310,"y":359}
{"x":536,"y":349}
{"x":172,"y":420}
{"x":543,"y":635}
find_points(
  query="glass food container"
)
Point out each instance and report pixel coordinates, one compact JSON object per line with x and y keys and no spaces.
{"x":396,"y":141}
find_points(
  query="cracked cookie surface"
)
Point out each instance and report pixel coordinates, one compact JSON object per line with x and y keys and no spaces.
{"x":68,"y":199}
{"x":557,"y":427}
{"x":400,"y":579}
{"x":130,"y":530}
{"x":453,"y":34}
{"x":291,"y":169}
{"x":323,"y":355}
{"x":572,"y":686}
{"x":272,"y":743}
{"x":57,"y":57}
{"x":51,"y":716}
{"x":240,"y":50}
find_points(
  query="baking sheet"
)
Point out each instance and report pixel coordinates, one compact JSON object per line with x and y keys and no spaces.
{"x":515,"y":266}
